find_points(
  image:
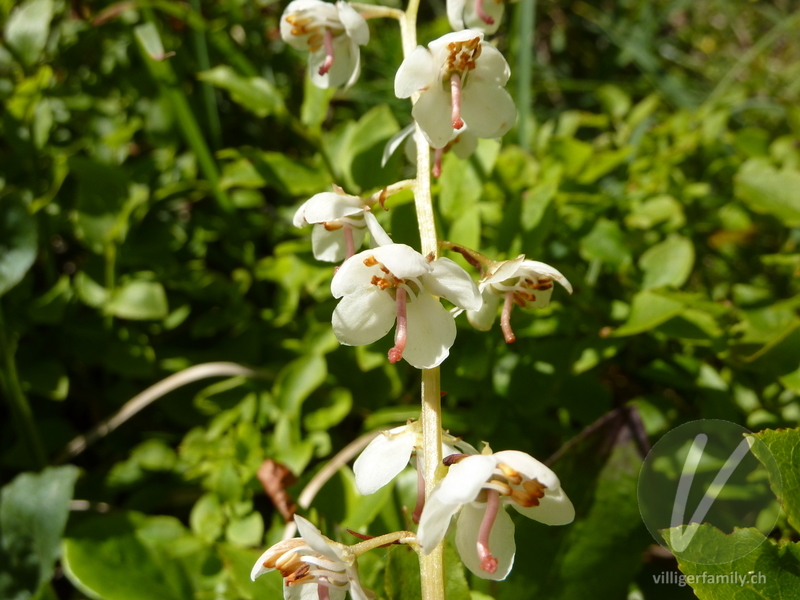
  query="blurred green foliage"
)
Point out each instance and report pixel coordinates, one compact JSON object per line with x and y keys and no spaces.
{"x":153,"y":154}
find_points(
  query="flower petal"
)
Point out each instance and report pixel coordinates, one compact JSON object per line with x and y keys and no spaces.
{"x":465,"y":479}
{"x":378,"y":236}
{"x":529,"y":466}
{"x":353,"y":275}
{"x":448,"y":280}
{"x":328,"y":206}
{"x":330,"y":246}
{"x":364,"y":316}
{"x":488,"y":110}
{"x":540,"y":268}
{"x":504,"y":270}
{"x":491,"y":66}
{"x":465,"y":144}
{"x":314,"y":538}
{"x":433,"y":112}
{"x":554,"y":509}
{"x":434,"y":522}
{"x":394,"y":143}
{"x":483,"y":319}
{"x":356,"y":591}
{"x":501,"y":541}
{"x":259,"y":568}
{"x":344,"y":64}
{"x":401,"y":260}
{"x":416,"y":72}
{"x":383,"y":459}
{"x":308,"y":591}
{"x":354,"y":24}
{"x":431,"y":332}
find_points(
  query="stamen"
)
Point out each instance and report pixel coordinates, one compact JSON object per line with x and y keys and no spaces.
{"x":437,"y":162}
{"x":350,"y":246}
{"x":455,"y":94}
{"x":328,"y":42}
{"x":451,"y":459}
{"x":401,"y":332}
{"x":488,"y":562}
{"x":482,"y":14}
{"x":420,"y":496}
{"x":505,"y":318}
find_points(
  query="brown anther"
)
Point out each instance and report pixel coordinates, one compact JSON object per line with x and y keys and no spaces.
{"x":332,"y":226}
{"x":524,"y":499}
{"x":512,"y":475}
{"x":298,"y":576}
{"x":535,"y":488}
{"x":380,"y":282}
{"x":449,"y":461}
{"x":370,"y":261}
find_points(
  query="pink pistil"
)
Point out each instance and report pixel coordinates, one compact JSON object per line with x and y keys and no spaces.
{"x":323,"y":592}
{"x":420,"y":495}
{"x":481,"y":14}
{"x":401,"y":332}
{"x":505,"y":318}
{"x":437,"y":162}
{"x":488,"y":562}
{"x":455,"y":95}
{"x":350,"y":246}
{"x":328,"y":42}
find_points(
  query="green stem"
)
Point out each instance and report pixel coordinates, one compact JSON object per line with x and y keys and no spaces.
{"x":404,"y":537}
{"x":209,"y":99}
{"x":20,"y":408}
{"x":527,"y":24}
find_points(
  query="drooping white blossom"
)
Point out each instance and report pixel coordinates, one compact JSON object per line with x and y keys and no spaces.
{"x":395,"y":283}
{"x":460,"y":79}
{"x":332,"y":34}
{"x":527,"y":283}
{"x":483,"y":15}
{"x":480,"y":487}
{"x":340,"y":224}
{"x":312,"y":566}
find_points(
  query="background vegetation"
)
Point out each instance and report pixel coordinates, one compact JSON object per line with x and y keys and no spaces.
{"x":152,"y":156}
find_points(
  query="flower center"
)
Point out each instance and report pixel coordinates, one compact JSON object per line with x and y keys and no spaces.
{"x":461,"y":57}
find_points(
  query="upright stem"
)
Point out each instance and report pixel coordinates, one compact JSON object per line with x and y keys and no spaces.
{"x":20,"y":408}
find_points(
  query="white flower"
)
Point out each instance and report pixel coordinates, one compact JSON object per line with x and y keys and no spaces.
{"x":463,"y":144}
{"x":395,"y":283}
{"x":484,"y":15}
{"x":340,"y":223}
{"x":528,"y":283}
{"x":481,"y":486}
{"x":312,"y":566}
{"x":460,"y":79}
{"x":332,"y":34}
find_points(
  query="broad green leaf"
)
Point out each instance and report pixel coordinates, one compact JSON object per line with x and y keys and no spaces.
{"x":297,"y":380}
{"x":402,"y":580}
{"x":149,"y":38}
{"x":17,"y":242}
{"x":33,"y":512}
{"x":139,"y":301}
{"x":766,"y":190}
{"x":316,"y":102}
{"x":247,"y":531}
{"x":460,"y":187}
{"x":655,"y":211}
{"x":536,"y":200}
{"x":326,"y":417}
{"x":668,"y":263}
{"x":784,"y":446}
{"x":771,"y":571}
{"x":466,"y":228}
{"x":238,"y":563}
{"x":27,"y":29}
{"x":606,"y":243}
{"x":102,"y":194}
{"x":648,"y":310}
{"x":603,"y":163}
{"x":256,"y":94}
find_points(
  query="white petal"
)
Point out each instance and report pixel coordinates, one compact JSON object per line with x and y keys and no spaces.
{"x":382,"y":460}
{"x":448,"y":280}
{"x":465,"y":479}
{"x":353,"y":275}
{"x":259,"y":568}
{"x":314,"y":538}
{"x":354,"y":24}
{"x":434,"y":522}
{"x":529,"y":466}
{"x":328,"y":206}
{"x":483,"y":319}
{"x":554,"y":509}
{"x":540,"y":268}
{"x":465,"y":144}
{"x":378,"y":236}
{"x":504,"y":270}
{"x":355,"y":52}
{"x":431,"y":332}
{"x":491,"y":66}
{"x":356,"y":591}
{"x":433,"y":112}
{"x":438,"y":46}
{"x":344,"y":64}
{"x":394,"y":143}
{"x":328,"y":246}
{"x":542,"y":299}
{"x":455,"y":13}
{"x":307,"y":591}
{"x":501,"y":541}
{"x":364,"y":316}
{"x":488,"y":110}
{"x":401,"y":260}
{"x":417,"y":72}
{"x":490,"y":7}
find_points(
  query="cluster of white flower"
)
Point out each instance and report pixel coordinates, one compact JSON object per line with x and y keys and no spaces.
{"x":457,"y":86}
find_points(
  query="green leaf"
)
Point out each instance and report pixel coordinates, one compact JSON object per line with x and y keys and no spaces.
{"x":256,"y":94}
{"x":460,"y":187}
{"x":238,"y":563}
{"x":297,"y":380}
{"x":784,"y":447}
{"x":766,"y":190}
{"x":27,"y":29}
{"x":656,"y":210}
{"x":17,"y":242}
{"x":402,"y":574}
{"x":324,"y":418}
{"x":150,"y":40}
{"x":247,"y":531}
{"x":102,"y":194}
{"x":606,"y":243}
{"x":139,"y":301}
{"x":33,"y":512}
{"x":648,"y":311}
{"x":771,"y":571}
{"x":668,"y":263}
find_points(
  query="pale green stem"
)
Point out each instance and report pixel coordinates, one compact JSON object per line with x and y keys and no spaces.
{"x":404,"y":537}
